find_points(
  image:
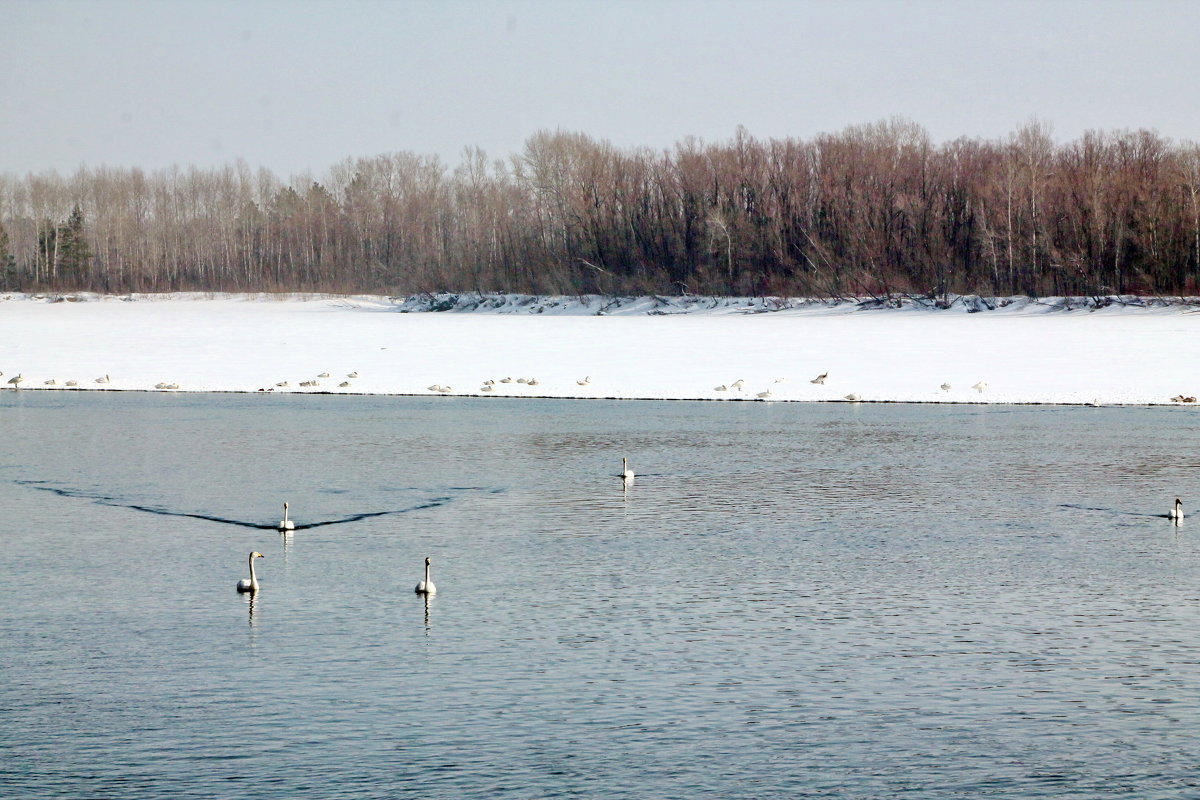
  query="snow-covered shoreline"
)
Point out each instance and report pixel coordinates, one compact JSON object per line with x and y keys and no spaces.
{"x":1115,"y":351}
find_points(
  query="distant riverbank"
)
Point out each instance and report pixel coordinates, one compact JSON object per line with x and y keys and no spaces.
{"x":1116,"y":350}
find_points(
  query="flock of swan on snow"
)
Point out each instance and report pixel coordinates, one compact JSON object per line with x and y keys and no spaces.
{"x":490,"y":385}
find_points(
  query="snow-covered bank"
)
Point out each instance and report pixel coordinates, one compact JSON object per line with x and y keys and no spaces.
{"x":1020,"y":351}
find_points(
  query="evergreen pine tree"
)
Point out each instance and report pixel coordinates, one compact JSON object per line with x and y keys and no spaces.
{"x":74,"y":253}
{"x":8,"y":263}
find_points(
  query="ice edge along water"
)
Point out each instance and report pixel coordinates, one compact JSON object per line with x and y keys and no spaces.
{"x":1015,"y":350}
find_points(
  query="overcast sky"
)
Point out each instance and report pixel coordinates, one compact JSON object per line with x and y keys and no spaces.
{"x":296,"y":86}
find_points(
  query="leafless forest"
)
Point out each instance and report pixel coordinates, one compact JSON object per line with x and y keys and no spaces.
{"x":872,"y":209}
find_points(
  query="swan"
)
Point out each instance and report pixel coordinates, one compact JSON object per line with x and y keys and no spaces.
{"x":853,"y":398}
{"x":767,"y":395}
{"x":820,"y":379}
{"x":343,"y":384}
{"x":506,"y":380}
{"x":15,"y":382}
{"x":102,"y":380}
{"x":721,"y":388}
{"x":522,"y":380}
{"x":738,"y":384}
{"x":286,"y":524}
{"x":250,"y":584}
{"x":487,"y":387}
{"x":323,"y":375}
{"x":979,"y":387}
{"x":72,"y":383}
{"x":585,"y":381}
{"x":50,"y":382}
{"x":352,"y":375}
{"x":172,"y":385}
{"x":626,"y":472}
{"x":533,"y":381}
{"x":946,"y":387}
{"x":1177,"y":512}
{"x":282,"y":383}
{"x":426,"y":586}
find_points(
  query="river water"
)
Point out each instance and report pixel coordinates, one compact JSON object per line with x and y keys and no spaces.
{"x":829,"y":600}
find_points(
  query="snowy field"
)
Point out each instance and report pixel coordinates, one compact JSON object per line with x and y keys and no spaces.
{"x":662,"y":348}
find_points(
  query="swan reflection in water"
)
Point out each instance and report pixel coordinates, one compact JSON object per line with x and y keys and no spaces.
{"x":428,"y":605}
{"x":251,"y":599}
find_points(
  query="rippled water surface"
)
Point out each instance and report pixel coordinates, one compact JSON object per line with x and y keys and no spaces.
{"x":790,"y":600}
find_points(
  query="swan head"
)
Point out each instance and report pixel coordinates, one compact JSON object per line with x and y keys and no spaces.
{"x":285,"y":505}
{"x":428,"y":561}
{"x":257,"y":554}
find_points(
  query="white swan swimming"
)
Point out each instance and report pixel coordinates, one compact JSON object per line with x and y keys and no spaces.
{"x":426,"y":586}
{"x":1177,"y":512}
{"x":250,"y":584}
{"x":626,"y":472}
{"x":286,"y":524}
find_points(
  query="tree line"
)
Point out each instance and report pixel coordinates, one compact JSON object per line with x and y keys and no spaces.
{"x":872,"y":209}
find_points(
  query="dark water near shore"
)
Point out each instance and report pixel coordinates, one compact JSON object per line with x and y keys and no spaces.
{"x":790,"y":601}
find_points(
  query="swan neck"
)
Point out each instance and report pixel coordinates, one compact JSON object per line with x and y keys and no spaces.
{"x":427,"y":576}
{"x":253,"y":577}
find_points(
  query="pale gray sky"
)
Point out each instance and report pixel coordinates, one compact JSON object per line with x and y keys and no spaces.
{"x":297,"y":86}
